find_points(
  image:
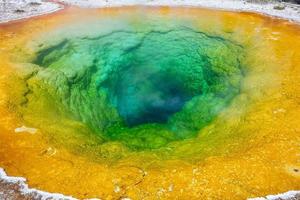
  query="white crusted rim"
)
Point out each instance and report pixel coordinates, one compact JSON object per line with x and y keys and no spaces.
{"x":8,"y":10}
{"x":290,"y":11}
{"x":284,"y":196}
{"x":39,"y":194}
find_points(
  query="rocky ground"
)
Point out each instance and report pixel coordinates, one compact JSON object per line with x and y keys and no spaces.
{"x":12,"y":191}
{"x":19,"y":9}
{"x":15,"y":188}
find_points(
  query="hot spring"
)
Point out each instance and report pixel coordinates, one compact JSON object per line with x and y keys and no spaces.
{"x":151,"y":103}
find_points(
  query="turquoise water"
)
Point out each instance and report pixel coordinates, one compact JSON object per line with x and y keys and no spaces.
{"x":144,"y":88}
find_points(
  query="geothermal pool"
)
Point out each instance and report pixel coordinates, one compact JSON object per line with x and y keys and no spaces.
{"x":151,"y":103}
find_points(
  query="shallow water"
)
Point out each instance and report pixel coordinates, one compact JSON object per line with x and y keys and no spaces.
{"x":151,"y":103}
